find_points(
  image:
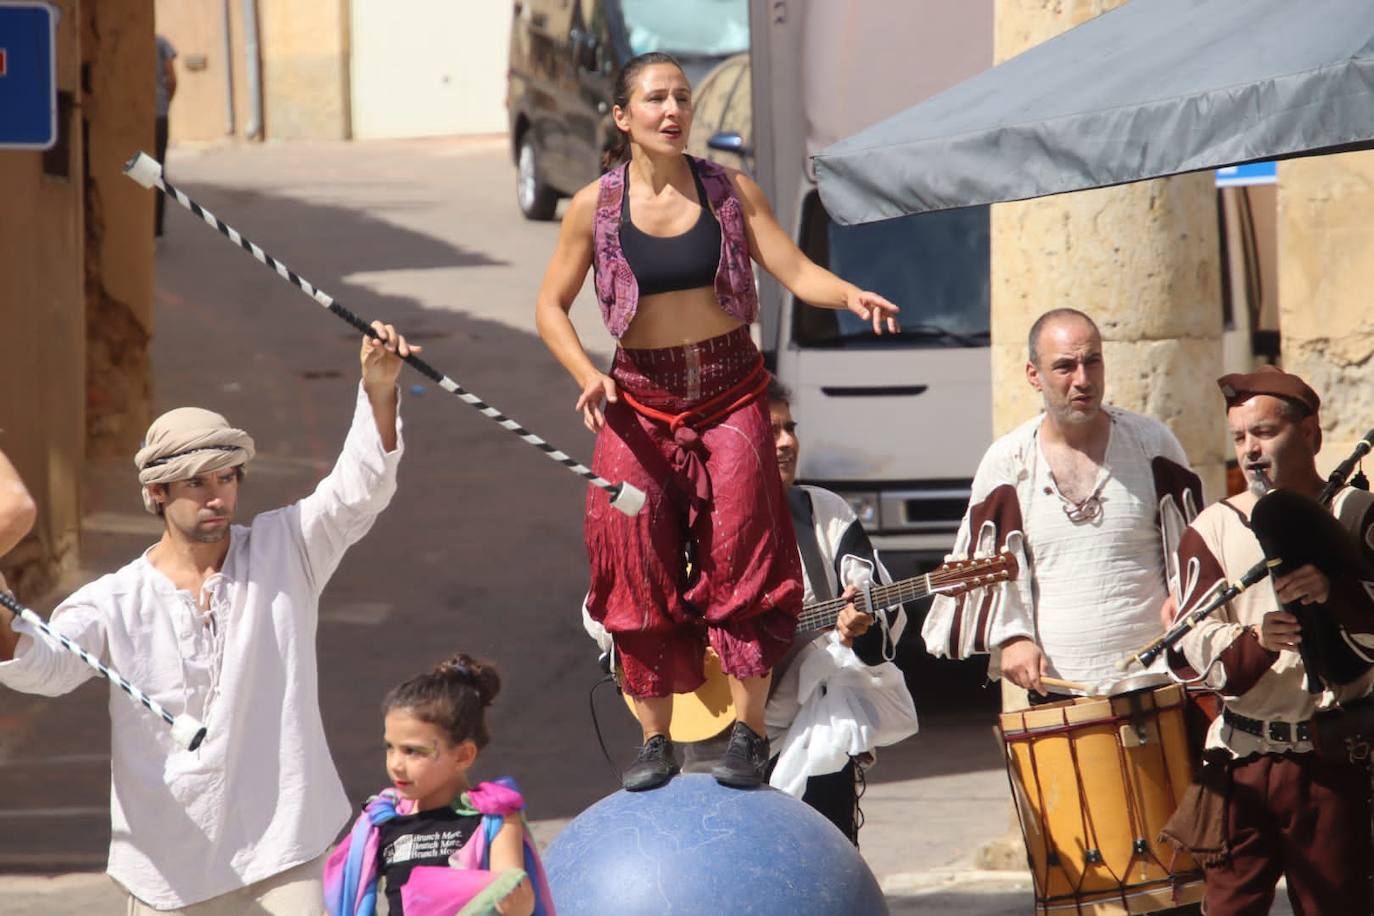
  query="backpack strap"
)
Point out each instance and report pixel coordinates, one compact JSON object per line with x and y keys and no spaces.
{"x":804,"y":520}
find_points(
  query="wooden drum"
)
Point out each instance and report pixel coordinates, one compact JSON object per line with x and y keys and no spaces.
{"x":1094,"y":780}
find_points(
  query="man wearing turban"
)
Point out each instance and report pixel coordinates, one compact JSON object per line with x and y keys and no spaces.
{"x":217,"y":621}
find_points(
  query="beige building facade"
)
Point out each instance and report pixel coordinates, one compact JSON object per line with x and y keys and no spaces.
{"x":336,"y":69}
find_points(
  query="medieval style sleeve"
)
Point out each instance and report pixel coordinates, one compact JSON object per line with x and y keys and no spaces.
{"x":1351,"y":600}
{"x":985,"y":618}
{"x":1227,"y":654}
{"x":1178,"y":492}
{"x":853,"y":561}
{"x":41,"y":666}
{"x":347,"y":501}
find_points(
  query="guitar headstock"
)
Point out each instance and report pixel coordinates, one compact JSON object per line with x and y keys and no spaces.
{"x":959,"y":576}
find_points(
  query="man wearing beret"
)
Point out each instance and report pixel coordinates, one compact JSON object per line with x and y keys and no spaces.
{"x":1286,"y":810}
{"x":217,"y":621}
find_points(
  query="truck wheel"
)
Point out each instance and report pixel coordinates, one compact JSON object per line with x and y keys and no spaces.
{"x":537,"y":200}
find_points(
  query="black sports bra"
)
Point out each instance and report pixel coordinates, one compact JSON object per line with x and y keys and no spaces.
{"x":662,"y":264}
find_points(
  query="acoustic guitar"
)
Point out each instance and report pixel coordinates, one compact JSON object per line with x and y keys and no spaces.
{"x":708,"y":710}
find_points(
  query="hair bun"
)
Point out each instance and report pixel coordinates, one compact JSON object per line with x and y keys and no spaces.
{"x":480,"y":676}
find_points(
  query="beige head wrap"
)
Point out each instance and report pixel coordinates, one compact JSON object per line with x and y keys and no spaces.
{"x":187,"y":442}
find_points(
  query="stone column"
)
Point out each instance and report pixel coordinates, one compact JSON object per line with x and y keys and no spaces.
{"x":120,"y":60}
{"x":1142,"y":259}
{"x":1326,"y":271}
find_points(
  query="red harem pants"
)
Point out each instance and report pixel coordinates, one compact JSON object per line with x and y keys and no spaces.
{"x":1299,"y":816}
{"x":716,"y":490}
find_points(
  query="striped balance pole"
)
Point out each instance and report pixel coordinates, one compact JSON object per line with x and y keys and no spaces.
{"x":187,"y":731}
{"x":147,"y":171}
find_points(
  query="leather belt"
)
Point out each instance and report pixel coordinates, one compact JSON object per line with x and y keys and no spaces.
{"x":1275,"y":730}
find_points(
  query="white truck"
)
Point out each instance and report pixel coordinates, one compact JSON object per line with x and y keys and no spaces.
{"x":895,"y":424}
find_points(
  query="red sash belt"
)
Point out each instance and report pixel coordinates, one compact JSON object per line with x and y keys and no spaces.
{"x":687,"y":426}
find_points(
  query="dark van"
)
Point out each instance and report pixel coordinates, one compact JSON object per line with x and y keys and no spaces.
{"x":564,"y":55}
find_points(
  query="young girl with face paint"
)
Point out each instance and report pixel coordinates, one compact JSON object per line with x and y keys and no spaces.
{"x":441,"y":843}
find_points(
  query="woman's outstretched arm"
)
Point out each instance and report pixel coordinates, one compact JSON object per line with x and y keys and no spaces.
{"x":566,"y":273}
{"x":776,"y":253}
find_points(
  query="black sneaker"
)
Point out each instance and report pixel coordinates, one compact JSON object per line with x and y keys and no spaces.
{"x":654,"y":766}
{"x":745,"y":759}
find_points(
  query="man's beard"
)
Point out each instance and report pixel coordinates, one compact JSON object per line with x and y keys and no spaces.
{"x":1259,"y":482}
{"x":1069,"y":412}
{"x":1262,"y":479}
{"x":207,"y":535}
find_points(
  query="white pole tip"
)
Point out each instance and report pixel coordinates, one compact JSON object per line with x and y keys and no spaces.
{"x":144,"y":169}
{"x":629,"y":499}
{"x":187,"y":732}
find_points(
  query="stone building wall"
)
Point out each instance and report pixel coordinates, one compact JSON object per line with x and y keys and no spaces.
{"x":118,"y":52}
{"x":305,"y":55}
{"x":1326,"y":273}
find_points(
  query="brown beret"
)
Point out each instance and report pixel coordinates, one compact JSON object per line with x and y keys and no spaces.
{"x":1239,"y":387}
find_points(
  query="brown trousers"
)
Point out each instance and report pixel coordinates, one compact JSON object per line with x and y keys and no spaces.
{"x":1298,"y":816}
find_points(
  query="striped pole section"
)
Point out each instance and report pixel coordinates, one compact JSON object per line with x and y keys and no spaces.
{"x":147,"y":171}
{"x":187,"y":731}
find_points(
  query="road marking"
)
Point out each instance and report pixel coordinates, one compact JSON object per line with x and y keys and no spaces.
{"x":53,"y":812}
{"x":366,"y":613}
{"x":122,"y":523}
{"x":57,"y":760}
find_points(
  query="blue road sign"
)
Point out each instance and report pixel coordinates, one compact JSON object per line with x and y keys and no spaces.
{"x":1250,"y":173}
{"x":28,"y":75}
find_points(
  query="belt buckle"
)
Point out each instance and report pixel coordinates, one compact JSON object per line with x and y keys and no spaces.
{"x":1281,"y":731}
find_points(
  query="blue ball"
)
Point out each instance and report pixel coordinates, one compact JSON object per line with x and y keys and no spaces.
{"x":697,"y":848}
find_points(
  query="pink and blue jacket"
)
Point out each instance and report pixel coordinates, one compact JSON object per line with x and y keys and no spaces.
{"x":468,"y":887}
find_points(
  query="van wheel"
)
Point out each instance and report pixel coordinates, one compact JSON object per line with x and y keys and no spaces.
{"x":537,"y":200}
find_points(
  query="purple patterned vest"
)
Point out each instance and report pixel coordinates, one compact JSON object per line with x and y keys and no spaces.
{"x":616,"y":287}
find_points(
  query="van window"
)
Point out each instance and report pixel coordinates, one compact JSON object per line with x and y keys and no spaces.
{"x":687,"y":28}
{"x":933,"y":266}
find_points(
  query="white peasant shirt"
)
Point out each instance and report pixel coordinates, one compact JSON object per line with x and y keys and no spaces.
{"x":261,"y":794}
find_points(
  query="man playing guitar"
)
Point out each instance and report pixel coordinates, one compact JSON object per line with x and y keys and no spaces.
{"x":836,"y":555}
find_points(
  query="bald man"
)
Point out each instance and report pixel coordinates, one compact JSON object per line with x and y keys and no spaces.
{"x":1091,"y":498}
{"x":218,"y":621}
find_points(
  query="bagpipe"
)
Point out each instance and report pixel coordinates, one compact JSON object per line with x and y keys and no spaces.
{"x":1295,"y":531}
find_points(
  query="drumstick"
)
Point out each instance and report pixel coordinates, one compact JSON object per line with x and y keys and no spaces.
{"x":1063,"y":684}
{"x":187,"y":731}
{"x":147,"y":171}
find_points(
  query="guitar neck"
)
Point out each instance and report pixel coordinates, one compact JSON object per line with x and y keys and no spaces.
{"x":821,"y":615}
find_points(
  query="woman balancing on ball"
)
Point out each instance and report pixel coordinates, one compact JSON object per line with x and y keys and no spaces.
{"x":680,"y":416}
